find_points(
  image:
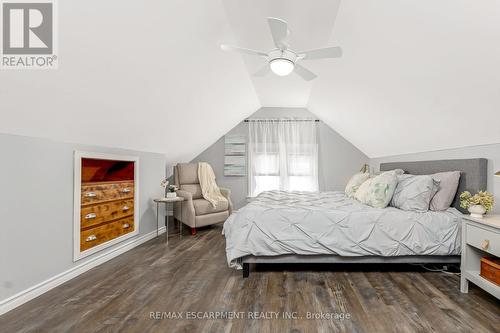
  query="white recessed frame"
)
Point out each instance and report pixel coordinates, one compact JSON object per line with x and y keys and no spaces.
{"x":79,"y":155}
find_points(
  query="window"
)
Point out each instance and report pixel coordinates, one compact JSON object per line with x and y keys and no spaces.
{"x":283,"y":155}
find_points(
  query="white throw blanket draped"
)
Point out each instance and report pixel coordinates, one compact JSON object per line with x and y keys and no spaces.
{"x":209,"y":188}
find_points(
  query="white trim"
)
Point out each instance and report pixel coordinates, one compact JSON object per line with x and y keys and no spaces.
{"x":77,"y":254}
{"x":28,"y":294}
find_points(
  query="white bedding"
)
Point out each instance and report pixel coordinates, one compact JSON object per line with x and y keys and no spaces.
{"x":305,"y":223}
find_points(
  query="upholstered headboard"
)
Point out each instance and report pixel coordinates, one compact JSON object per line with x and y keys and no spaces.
{"x":473,"y":173}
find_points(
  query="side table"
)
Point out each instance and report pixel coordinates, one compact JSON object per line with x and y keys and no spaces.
{"x":166,"y":201}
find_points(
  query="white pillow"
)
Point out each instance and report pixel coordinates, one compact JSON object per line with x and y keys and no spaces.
{"x":448,"y":185}
{"x":354,"y":183}
{"x":414,"y":192}
{"x":378,"y":191}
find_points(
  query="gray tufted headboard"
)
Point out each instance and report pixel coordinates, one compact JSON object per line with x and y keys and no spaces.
{"x":473,"y":173}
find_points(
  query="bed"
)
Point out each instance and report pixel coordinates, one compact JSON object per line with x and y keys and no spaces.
{"x":328,"y":227}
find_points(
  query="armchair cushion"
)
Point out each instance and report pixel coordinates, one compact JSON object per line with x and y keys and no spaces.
{"x":203,"y":207}
{"x":194,"y":189}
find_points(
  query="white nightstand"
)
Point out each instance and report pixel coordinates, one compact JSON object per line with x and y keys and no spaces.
{"x":480,"y":238}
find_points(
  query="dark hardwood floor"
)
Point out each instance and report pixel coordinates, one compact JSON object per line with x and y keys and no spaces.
{"x":191,"y":275}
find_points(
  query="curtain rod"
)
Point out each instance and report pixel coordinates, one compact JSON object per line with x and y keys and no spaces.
{"x":280,"y":120}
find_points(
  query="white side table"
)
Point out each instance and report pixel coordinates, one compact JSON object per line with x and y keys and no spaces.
{"x":480,"y":238}
{"x":166,"y":201}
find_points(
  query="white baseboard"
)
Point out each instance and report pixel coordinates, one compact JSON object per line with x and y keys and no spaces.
{"x":28,"y":294}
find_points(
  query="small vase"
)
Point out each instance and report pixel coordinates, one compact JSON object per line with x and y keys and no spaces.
{"x":171,"y":195}
{"x":477,"y":211}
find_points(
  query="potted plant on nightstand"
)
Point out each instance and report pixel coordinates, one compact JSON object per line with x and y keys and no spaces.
{"x":477,"y":204}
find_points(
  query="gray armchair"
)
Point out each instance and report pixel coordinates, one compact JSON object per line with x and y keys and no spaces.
{"x":195,"y":211}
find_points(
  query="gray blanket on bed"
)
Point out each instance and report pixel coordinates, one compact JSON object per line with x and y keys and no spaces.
{"x":278,"y":222}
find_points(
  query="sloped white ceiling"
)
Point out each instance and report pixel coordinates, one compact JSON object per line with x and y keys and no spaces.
{"x":145,"y":75}
{"x":310,"y":23}
{"x":415,"y":75}
{"x":149,"y":75}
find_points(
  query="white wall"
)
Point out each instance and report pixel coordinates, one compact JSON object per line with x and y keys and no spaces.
{"x":137,"y":66}
{"x":36,"y":207}
{"x":338,"y":158}
{"x":490,"y":152}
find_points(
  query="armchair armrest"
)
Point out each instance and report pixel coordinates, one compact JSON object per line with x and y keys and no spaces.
{"x":227,"y":194}
{"x":185,"y":194}
{"x":185,"y":210}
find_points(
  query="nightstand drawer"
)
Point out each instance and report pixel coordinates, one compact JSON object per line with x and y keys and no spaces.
{"x":483,"y":239}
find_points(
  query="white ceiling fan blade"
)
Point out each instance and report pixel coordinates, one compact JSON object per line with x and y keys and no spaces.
{"x":263,"y":71}
{"x":327,"y":52}
{"x":279,"y":31}
{"x":242,"y":50}
{"x":304,"y":73}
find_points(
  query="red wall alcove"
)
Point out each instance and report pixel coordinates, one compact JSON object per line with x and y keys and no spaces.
{"x":97,"y":170}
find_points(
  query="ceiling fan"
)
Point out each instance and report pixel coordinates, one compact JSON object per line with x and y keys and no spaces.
{"x":282,"y":61}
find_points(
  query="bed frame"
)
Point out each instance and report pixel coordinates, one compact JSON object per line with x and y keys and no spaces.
{"x":473,"y":178}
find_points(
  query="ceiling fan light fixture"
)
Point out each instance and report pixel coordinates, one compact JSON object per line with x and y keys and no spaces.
{"x":281,"y":66}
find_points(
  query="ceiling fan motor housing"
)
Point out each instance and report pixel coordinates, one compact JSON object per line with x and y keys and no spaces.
{"x":282,"y":54}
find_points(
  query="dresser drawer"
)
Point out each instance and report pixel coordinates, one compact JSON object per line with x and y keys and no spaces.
{"x":101,"y":192}
{"x":103,"y":212}
{"x":483,"y":239}
{"x":98,"y":235}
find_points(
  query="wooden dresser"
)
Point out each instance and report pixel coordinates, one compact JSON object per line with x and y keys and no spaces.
{"x":105,"y":201}
{"x":107,"y":212}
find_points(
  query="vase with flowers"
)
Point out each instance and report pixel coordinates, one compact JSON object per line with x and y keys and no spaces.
{"x":170,"y":190}
{"x":477,"y":204}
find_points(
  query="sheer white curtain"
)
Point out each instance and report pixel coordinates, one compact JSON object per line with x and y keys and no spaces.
{"x":282,"y":155}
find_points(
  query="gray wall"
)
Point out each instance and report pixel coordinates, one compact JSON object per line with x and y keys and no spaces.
{"x":491,"y":152}
{"x":36,"y":207}
{"x":338,"y":158}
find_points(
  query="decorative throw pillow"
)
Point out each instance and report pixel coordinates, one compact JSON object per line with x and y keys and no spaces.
{"x":448,"y":185}
{"x":363,"y":191}
{"x":377,"y":192}
{"x":414,"y":192}
{"x":354,"y":183}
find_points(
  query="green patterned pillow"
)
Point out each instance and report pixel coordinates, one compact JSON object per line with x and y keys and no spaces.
{"x":378,"y":191}
{"x":355,"y":182}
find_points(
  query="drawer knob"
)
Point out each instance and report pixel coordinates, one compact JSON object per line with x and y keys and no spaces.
{"x":486,"y":244}
{"x":90,"y":216}
{"x":126,"y":207}
{"x":126,"y":190}
{"x":126,"y":226}
{"x":91,"y":238}
{"x":90,"y":194}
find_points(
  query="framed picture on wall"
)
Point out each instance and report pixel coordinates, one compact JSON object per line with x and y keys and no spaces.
{"x":106,"y":205}
{"x":235,"y":155}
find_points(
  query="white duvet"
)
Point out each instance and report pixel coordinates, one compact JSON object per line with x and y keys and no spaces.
{"x":278,"y":222}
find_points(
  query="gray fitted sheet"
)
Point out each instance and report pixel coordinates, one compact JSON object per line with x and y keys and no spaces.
{"x":304,"y":223}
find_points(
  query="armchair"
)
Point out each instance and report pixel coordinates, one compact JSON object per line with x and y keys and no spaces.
{"x":195,"y":211}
